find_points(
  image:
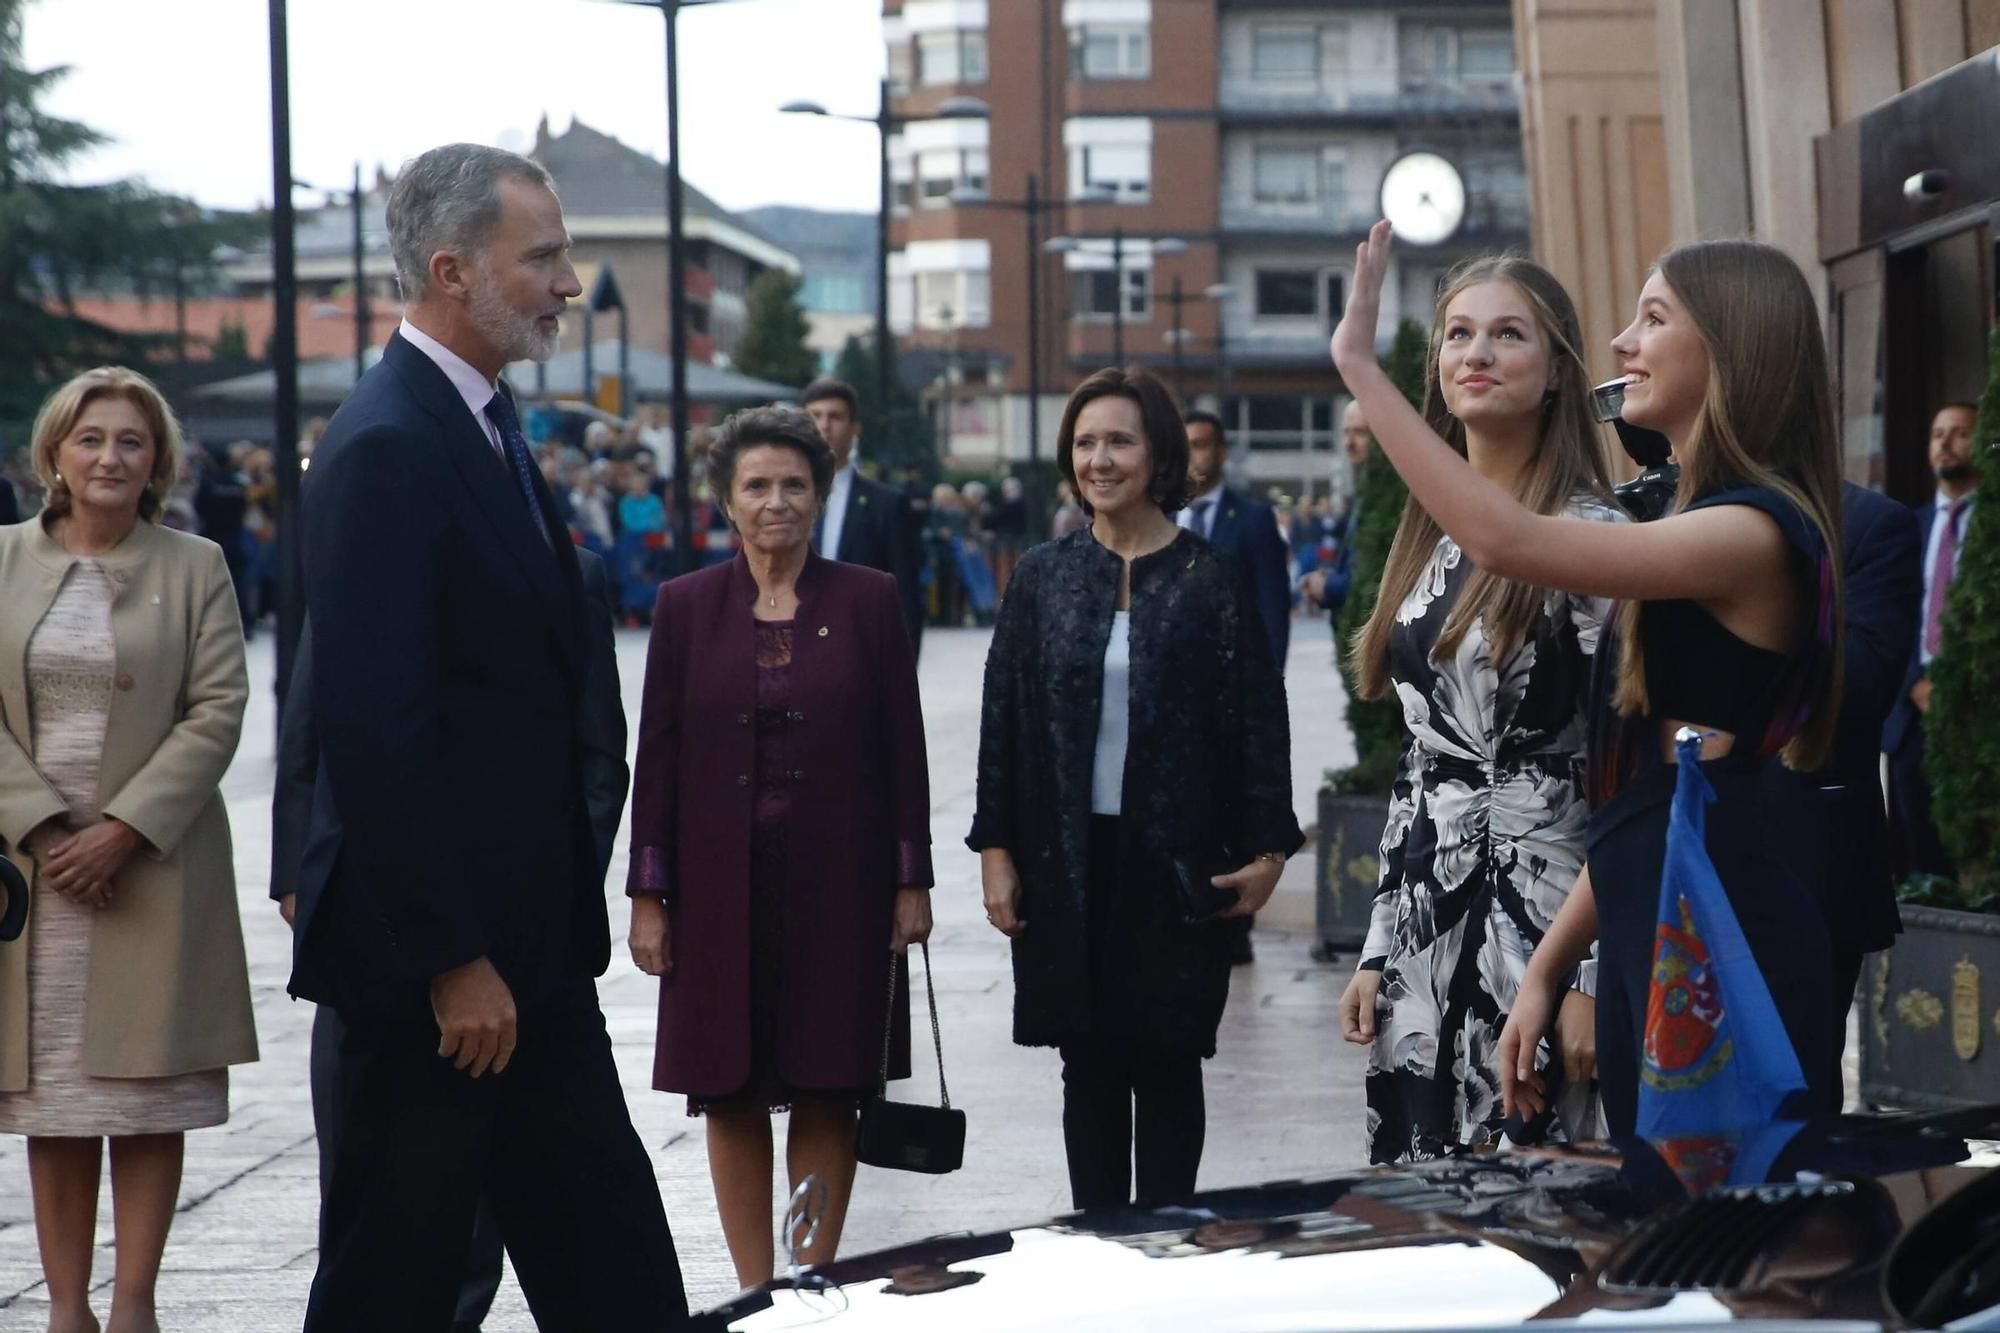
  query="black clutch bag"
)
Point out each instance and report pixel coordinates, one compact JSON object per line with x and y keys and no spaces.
{"x":903,"y":1136}
{"x":13,"y":901}
{"x":1201,"y":899}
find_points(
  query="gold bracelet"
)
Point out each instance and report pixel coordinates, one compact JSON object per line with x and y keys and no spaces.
{"x":1278,"y":857}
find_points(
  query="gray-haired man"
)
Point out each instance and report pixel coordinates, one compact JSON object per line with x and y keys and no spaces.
{"x":457,"y":920}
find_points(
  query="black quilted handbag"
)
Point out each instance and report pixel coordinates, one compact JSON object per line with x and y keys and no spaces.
{"x":903,"y":1136}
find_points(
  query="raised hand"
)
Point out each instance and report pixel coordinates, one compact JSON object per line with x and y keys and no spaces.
{"x":1354,"y":339}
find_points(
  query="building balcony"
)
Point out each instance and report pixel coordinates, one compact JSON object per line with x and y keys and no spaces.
{"x":1488,"y":218}
{"x":1247,"y":98}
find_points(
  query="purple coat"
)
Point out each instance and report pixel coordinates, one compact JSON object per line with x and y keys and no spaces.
{"x":861,"y":823}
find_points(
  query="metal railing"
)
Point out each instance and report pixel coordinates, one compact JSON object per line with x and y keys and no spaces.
{"x":1247,"y":92}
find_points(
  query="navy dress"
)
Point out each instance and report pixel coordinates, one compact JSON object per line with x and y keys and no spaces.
{"x":1699,"y":673}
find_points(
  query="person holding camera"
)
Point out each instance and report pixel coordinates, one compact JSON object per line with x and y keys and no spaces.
{"x":1134,"y":790}
{"x":1485,"y":832}
{"x":1731,"y":624}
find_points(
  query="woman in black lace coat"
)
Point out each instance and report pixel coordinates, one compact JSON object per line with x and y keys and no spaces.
{"x":1132,"y":717}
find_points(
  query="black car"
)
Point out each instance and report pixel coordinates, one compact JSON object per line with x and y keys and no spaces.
{"x":1485,"y":1241}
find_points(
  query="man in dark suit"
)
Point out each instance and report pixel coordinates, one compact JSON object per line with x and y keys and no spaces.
{"x":1880,"y":554}
{"x":865,"y":522}
{"x":1244,"y":527}
{"x":10,"y":508}
{"x":1248,"y":530}
{"x":1944,"y":520}
{"x":460,"y":917}
{"x":606,"y":779}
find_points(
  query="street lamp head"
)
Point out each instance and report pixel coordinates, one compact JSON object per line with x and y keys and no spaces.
{"x":1060,"y":245}
{"x":962,"y":108}
{"x":1094,"y":194}
{"x":1220,"y":291}
{"x":803,"y":109}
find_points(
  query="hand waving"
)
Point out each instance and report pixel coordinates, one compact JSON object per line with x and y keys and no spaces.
{"x":1354,"y":340}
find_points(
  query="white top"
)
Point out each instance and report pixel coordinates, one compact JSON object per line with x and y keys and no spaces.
{"x":836,"y":512}
{"x":1114,"y":717}
{"x":1939,"y":529}
{"x":473,"y":387}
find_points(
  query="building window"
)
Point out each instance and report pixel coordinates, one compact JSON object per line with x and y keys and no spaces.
{"x":951,"y":58}
{"x":1288,"y":51}
{"x":942,"y":171}
{"x":1124,"y":169}
{"x":1485,"y":55}
{"x":1111,"y":52}
{"x":954,"y":300}
{"x":902,"y":194}
{"x":1287,"y":293}
{"x":1095,"y":293}
{"x":834,"y":293}
{"x":901,"y":69}
{"x":1284,"y":175}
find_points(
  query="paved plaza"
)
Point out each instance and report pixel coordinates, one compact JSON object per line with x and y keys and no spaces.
{"x":1284,"y":1094}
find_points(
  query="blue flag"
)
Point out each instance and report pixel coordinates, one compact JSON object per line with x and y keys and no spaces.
{"x":1717,"y":1063}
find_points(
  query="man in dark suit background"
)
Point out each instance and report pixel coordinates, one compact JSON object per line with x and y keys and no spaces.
{"x":1244,"y":527}
{"x":1248,"y":530}
{"x":460,"y":918}
{"x":865,"y":522}
{"x":294,"y":830}
{"x":1880,"y":555}
{"x":1944,"y":520}
{"x":10,"y":507}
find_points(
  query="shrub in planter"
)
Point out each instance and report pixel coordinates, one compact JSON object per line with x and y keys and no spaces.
{"x":1353,"y":801}
{"x":1931,"y":1005}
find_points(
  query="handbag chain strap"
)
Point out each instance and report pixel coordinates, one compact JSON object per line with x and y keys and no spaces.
{"x":937,"y":1033}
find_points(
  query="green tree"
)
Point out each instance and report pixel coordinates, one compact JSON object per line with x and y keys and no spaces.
{"x":59,"y":241}
{"x":1379,"y":495}
{"x":774,"y":339}
{"x":232,"y":342}
{"x":1962,"y":729}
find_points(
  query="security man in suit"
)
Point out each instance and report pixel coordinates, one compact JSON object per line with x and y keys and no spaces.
{"x":606,"y":780}
{"x":1248,"y":530}
{"x":1944,"y":520}
{"x":460,"y":921}
{"x":865,"y":522}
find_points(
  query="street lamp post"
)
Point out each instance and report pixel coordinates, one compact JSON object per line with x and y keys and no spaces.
{"x":886,"y":124}
{"x":284,"y":355}
{"x":1178,"y":333}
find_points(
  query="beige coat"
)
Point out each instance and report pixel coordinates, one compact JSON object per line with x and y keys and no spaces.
{"x":169,"y":988}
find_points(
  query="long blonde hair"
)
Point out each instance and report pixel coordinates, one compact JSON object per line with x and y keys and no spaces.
{"x":1766,"y":420}
{"x":1568,"y":462}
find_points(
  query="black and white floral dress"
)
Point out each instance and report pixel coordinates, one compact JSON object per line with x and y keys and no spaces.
{"x":1484,"y":839}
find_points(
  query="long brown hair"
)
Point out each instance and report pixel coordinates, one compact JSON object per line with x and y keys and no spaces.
{"x":1766,"y":420}
{"x":1569,"y":462}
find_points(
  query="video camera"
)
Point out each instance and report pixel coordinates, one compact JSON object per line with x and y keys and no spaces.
{"x":1647,"y":495}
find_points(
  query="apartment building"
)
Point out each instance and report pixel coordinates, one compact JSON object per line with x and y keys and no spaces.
{"x":1202,"y":171}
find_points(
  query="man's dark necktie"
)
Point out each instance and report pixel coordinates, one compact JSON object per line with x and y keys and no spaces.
{"x":500,"y":410}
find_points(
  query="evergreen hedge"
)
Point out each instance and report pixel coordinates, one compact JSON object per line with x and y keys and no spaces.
{"x":1379,"y":495}
{"x":1962,"y":729}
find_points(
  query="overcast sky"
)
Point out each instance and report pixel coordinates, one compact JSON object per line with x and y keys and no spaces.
{"x":184,"y":89}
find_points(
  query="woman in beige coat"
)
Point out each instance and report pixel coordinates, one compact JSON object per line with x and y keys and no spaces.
{"x":122,"y":688}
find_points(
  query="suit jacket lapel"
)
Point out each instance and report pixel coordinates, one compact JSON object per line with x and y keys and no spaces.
{"x":483,"y":471}
{"x":857,"y":505}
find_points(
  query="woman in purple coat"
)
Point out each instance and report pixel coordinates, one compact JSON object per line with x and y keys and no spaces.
{"x":780,"y":836}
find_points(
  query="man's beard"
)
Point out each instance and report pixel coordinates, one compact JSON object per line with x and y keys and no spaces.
{"x":1956,"y":472}
{"x":515,"y":336}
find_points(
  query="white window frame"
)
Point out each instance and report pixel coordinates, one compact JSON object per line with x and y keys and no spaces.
{"x":960,"y":44}
{"x":1314,"y":176}
{"x":1138,"y":293}
{"x":1091,"y":141}
{"x":1310,"y":37}
{"x":1132,"y":44}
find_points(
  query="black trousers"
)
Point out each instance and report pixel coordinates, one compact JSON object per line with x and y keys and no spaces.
{"x":1919,"y":848}
{"x":484,"y":1264}
{"x":1123,"y":1103}
{"x":548,"y":1142}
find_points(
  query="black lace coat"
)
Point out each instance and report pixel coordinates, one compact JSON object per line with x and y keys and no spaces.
{"x":1208,"y":766}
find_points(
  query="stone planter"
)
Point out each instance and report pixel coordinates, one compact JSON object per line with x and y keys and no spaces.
{"x":1930,"y":1013}
{"x":1348,"y":862}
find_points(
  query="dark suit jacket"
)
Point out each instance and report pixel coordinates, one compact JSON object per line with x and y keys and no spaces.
{"x":1882,"y":562}
{"x":302,"y":848}
{"x":10,"y":507}
{"x":448,"y":661}
{"x":880,"y":532}
{"x":1248,"y":530}
{"x":1905,"y":723}
{"x":857,"y":824}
